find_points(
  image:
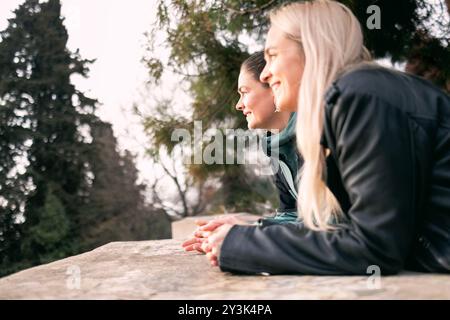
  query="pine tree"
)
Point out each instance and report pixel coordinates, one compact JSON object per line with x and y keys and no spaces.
{"x":51,"y":230}
{"x":116,"y":208}
{"x":42,"y":116}
{"x":64,"y":186}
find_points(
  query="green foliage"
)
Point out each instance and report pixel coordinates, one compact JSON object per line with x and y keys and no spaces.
{"x":116,"y":209}
{"x":52,"y":230}
{"x":206,"y":44}
{"x":53,"y":224}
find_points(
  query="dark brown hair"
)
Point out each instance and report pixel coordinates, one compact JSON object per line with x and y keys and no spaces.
{"x":255,"y":65}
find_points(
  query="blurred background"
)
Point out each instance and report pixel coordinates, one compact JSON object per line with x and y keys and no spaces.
{"x":91,"y":91}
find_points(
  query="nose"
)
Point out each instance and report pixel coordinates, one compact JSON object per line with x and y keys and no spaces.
{"x":239,"y":104}
{"x":265,"y":75}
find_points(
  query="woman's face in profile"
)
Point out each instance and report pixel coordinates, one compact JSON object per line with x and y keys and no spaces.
{"x":255,"y":102}
{"x":284,"y":69}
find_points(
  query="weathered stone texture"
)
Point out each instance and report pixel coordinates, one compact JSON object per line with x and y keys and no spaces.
{"x":162,"y":270}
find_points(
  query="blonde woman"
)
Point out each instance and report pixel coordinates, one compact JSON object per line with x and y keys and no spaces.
{"x":376,"y":149}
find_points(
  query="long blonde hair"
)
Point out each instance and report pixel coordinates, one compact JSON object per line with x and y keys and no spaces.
{"x":331,"y":39}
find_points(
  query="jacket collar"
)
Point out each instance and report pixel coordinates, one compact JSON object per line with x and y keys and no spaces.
{"x":283,"y":139}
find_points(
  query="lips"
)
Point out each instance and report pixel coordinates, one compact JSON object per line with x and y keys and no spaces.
{"x":275,"y":85}
{"x":246,"y":113}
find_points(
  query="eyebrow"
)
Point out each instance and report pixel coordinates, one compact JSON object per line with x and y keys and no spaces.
{"x":266,"y":50}
{"x":240,"y":88}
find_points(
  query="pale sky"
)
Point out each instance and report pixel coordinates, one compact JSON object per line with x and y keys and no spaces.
{"x":110,"y":31}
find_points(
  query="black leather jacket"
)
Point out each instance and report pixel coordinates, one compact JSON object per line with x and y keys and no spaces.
{"x":389,"y":168}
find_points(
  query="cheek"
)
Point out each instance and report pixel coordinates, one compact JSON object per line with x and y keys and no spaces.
{"x":266,"y":108}
{"x":295,"y":74}
{"x":266,"y":115}
{"x":253,"y":101}
{"x":245,"y":102}
{"x":275,"y":69}
{"x":292,"y":81}
{"x":282,"y":67}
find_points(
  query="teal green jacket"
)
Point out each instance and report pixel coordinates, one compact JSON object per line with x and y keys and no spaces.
{"x":285,"y":162}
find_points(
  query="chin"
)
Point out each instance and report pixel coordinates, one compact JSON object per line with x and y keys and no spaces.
{"x":283,"y":103}
{"x":284,"y":107}
{"x":252,"y":125}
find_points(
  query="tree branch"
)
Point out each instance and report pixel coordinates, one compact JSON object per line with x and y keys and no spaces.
{"x":254,"y":10}
{"x":181,"y":193}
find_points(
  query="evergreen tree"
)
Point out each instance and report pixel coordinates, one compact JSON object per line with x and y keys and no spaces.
{"x":51,"y":231}
{"x":64,"y":187}
{"x":116,"y":208}
{"x":45,"y":172}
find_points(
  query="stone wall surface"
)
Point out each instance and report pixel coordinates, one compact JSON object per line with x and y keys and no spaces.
{"x":162,"y":270}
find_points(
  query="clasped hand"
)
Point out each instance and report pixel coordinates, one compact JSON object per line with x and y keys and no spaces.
{"x":209,"y":236}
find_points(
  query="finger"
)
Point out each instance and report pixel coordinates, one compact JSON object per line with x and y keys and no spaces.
{"x":213,"y":225}
{"x":190,"y":248}
{"x":202,"y":234}
{"x":189,"y":242}
{"x":212,"y":259}
{"x":192,"y":241}
{"x":198,"y":247}
{"x":214,"y":251}
{"x":196,"y":232}
{"x":215,"y":238}
{"x":200,"y":222}
{"x":210,"y":256}
{"x":195,"y":246}
{"x":205,"y":247}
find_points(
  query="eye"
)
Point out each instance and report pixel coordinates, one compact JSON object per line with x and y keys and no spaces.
{"x":270,"y":55}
